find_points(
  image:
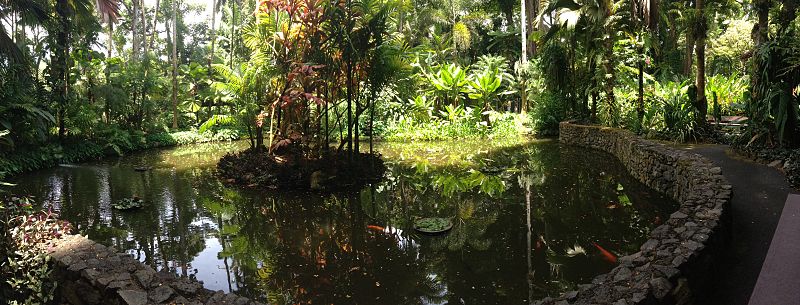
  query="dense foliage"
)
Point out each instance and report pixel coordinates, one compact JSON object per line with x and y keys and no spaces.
{"x":299,"y":75}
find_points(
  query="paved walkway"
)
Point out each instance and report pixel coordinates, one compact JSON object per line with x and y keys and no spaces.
{"x":759,"y":194}
{"x":777,"y":283}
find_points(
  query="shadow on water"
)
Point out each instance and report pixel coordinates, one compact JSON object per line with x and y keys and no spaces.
{"x":530,"y":220}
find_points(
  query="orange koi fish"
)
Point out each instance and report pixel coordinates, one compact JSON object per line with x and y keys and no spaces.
{"x":376,"y":228}
{"x":608,"y":256}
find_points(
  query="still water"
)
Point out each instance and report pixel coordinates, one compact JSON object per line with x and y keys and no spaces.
{"x":530,"y":219}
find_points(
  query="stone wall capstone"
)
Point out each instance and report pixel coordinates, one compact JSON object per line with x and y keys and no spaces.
{"x":678,"y":258}
{"x":89,"y":273}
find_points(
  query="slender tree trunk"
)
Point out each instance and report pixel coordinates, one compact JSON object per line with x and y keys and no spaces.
{"x":109,"y":49}
{"x":594,"y":94}
{"x":155,"y":25}
{"x":524,"y":54}
{"x":349,"y":105}
{"x":143,"y":39}
{"x":233,"y":33}
{"x":532,"y":15}
{"x":700,"y":40}
{"x":640,"y":97}
{"x":134,"y":28}
{"x":212,"y":35}
{"x":61,"y":63}
{"x":690,"y":42}
{"x":174,"y":64}
{"x":655,"y":17}
{"x":610,"y":80}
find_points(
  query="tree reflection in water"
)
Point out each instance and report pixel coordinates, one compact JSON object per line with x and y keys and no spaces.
{"x":512,"y":205}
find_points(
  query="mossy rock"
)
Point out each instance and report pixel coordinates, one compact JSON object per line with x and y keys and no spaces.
{"x":433,"y":225}
{"x":128,"y":204}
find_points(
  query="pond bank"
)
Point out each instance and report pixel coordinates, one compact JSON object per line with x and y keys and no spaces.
{"x":679,"y":257}
{"x":51,"y":155}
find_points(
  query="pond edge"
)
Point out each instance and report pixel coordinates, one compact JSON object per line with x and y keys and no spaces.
{"x":679,"y":257}
{"x":88,"y":273}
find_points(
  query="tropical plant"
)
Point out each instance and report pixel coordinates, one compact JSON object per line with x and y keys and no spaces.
{"x":483,"y":87}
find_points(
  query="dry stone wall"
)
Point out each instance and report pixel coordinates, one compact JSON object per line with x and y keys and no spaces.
{"x":89,"y":273}
{"x":677,"y":259}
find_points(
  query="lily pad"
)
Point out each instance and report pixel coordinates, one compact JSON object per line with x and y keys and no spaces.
{"x":128,"y":204}
{"x":433,"y":225}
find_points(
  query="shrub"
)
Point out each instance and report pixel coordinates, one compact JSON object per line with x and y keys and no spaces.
{"x":26,"y":234}
{"x":547,"y":111}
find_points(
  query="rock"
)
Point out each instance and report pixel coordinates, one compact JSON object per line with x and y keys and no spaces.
{"x":678,"y":215}
{"x":621,"y":302}
{"x":187,"y":287}
{"x":144,"y":277}
{"x":571,"y":295}
{"x":649,"y":245}
{"x":78,"y":266}
{"x":775,"y":163}
{"x":133,"y":297}
{"x":667,"y":271}
{"x":622,"y":274}
{"x":160,"y":294}
{"x":692,"y":245}
{"x":119,"y":284}
{"x":90,"y":275}
{"x":661,"y":287}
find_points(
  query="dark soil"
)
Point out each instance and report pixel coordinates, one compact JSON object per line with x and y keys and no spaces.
{"x":330,"y":172}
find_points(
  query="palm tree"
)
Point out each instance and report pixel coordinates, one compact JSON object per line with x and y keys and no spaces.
{"x":591,"y":22}
{"x":34,"y":12}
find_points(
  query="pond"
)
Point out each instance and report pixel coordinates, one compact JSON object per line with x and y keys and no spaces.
{"x":530,"y":219}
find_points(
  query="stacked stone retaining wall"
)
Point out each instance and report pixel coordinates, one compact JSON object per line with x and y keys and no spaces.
{"x":89,"y":273}
{"x":678,"y":258}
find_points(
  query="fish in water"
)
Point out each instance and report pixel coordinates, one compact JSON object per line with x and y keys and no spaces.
{"x":376,"y":228}
{"x":608,"y":256}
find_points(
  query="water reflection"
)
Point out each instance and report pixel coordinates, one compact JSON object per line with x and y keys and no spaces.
{"x":528,"y":222}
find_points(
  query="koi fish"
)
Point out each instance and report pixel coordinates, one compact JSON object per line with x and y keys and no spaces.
{"x":608,"y":256}
{"x":376,"y":228}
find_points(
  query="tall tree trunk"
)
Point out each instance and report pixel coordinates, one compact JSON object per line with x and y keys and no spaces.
{"x":532,"y":16}
{"x":524,"y":54}
{"x":155,"y":27}
{"x":690,"y":43}
{"x":233,"y":33}
{"x":609,"y":63}
{"x":655,"y":17}
{"x":349,"y":104}
{"x":109,"y":48}
{"x":640,"y":97}
{"x":61,"y":63}
{"x":174,"y":64}
{"x":689,"y":57}
{"x":134,"y":26}
{"x":700,"y":40}
{"x":144,"y":23}
{"x":212,"y":35}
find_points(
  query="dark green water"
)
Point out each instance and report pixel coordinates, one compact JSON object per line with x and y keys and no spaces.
{"x":519,"y":211}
